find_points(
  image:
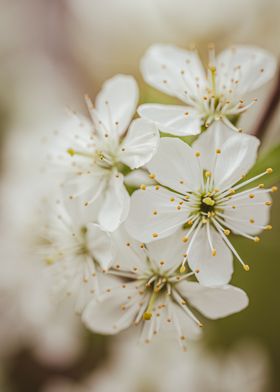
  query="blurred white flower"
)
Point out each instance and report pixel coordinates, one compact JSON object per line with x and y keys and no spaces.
{"x":162,"y":368}
{"x":219,"y":95}
{"x":74,"y":251}
{"x":200,"y":189}
{"x":112,"y":39}
{"x":154,"y":295}
{"x":97,"y":152}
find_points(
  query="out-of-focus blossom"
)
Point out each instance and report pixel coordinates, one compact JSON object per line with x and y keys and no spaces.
{"x":95,"y":153}
{"x":74,"y":250}
{"x":111,"y":37}
{"x":201,"y":190}
{"x":161,"y":368}
{"x":217,"y":95}
{"x":154,"y":295}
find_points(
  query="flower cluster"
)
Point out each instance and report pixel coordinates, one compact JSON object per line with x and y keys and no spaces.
{"x":160,"y":257}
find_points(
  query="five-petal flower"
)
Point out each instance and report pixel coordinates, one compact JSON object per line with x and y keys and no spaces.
{"x":218,"y":94}
{"x":98,"y":152}
{"x":200,"y":190}
{"x":153,"y":293}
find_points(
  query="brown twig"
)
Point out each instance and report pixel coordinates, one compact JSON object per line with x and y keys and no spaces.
{"x":270,"y":109}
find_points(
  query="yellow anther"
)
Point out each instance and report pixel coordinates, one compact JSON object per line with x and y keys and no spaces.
{"x":143,"y":187}
{"x":155,"y":212}
{"x":232,"y":191}
{"x":178,"y":207}
{"x":71,"y":151}
{"x":172,"y":199}
{"x":190,"y":222}
{"x":268,"y":227}
{"x":261,"y":186}
{"x":182,"y":269}
{"x":207,"y":173}
{"x":49,"y":261}
{"x":157,"y":187}
{"x":197,"y":154}
{"x":208,"y":201}
{"x":251,"y":196}
{"x":147,"y":316}
{"x":218,"y":151}
{"x":214,"y":252}
{"x":269,"y":170}
{"x":204,"y":220}
{"x":152,"y":175}
{"x":257,"y":239}
{"x":186,"y":197}
{"x":252,"y":220}
{"x":227,"y":232}
{"x":268,"y":203}
{"x":234,"y":207}
{"x":185,"y":239}
{"x":197,"y":271}
{"x":155,"y":235}
{"x":246,"y":267}
{"x":274,"y":189}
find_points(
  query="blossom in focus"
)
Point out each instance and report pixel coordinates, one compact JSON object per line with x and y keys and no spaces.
{"x":97,"y":153}
{"x":218,"y":94}
{"x":154,"y":295}
{"x":201,"y":189}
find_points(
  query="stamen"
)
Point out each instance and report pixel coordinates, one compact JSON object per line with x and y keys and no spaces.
{"x":220,"y":230}
{"x":183,"y":305}
{"x":148,"y":314}
{"x":242,"y":184}
{"x":213,"y":250}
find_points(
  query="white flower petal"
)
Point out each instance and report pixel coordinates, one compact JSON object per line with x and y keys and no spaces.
{"x":173,"y":71}
{"x":129,"y":256}
{"x":214,"y":303}
{"x":238,"y":155}
{"x":176,"y":166}
{"x":99,"y":243}
{"x":140,"y":144}
{"x":154,"y":214}
{"x":250,"y":65}
{"x":173,"y":119}
{"x":115,"y":206}
{"x":77,"y":192}
{"x":106,"y":315}
{"x":251,"y":218}
{"x":210,"y":141}
{"x":116,"y":103}
{"x":213,"y":270}
{"x":168,"y":253}
{"x":183,"y":323}
{"x":138,"y":177}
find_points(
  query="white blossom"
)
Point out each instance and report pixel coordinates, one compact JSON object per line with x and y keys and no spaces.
{"x":154,"y":295}
{"x":75,"y":252}
{"x":218,"y":94}
{"x":98,"y":152}
{"x":201,"y":189}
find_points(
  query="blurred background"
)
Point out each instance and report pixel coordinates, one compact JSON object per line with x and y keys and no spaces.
{"x":51,"y":53}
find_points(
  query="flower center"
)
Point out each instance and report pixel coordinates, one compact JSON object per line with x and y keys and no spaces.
{"x":207,"y":204}
{"x":101,"y":158}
